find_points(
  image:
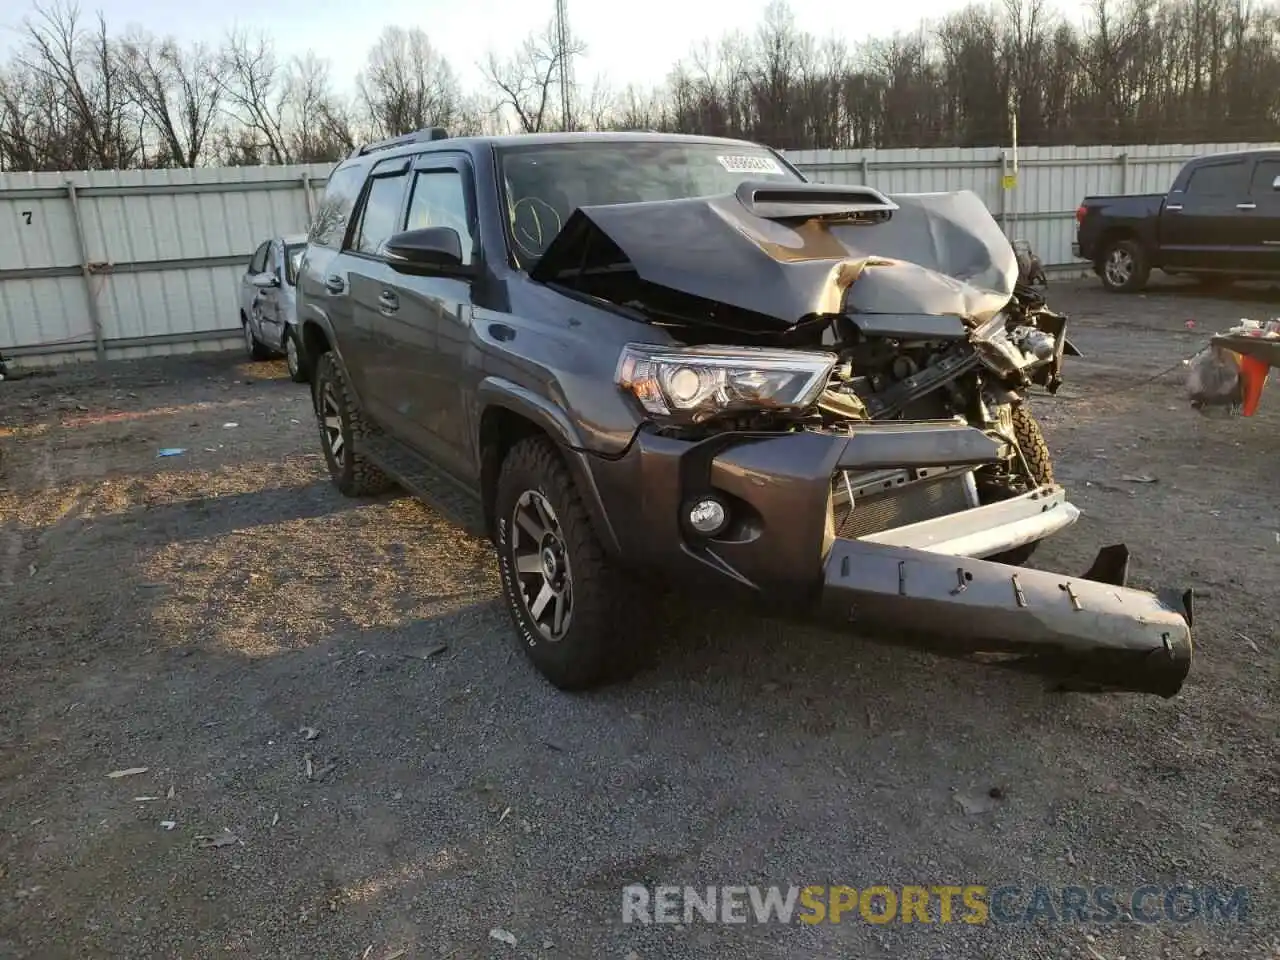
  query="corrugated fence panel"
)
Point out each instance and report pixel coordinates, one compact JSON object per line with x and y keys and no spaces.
{"x":166,"y":247}
{"x":1050,"y":181}
{"x":176,"y":245}
{"x":37,"y":233}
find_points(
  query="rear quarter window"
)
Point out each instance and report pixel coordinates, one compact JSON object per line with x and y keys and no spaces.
{"x":334,"y":212}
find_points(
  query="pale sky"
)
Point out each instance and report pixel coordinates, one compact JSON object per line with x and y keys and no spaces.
{"x":628,"y":42}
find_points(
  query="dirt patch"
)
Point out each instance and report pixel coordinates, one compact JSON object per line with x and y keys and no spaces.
{"x":201,"y":614}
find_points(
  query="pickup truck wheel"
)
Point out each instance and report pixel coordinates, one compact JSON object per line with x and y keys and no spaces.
{"x":343,"y":430}
{"x":569,"y":605}
{"x":1123,"y":267}
{"x":1035,"y":451}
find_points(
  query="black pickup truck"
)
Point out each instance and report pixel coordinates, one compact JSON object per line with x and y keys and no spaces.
{"x":1220,"y":221}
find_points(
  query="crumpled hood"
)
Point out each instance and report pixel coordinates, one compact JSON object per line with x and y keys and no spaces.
{"x":939,"y":254}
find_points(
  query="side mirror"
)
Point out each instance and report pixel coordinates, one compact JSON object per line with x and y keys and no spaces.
{"x":431,"y":250}
{"x":1275,"y":184}
{"x":265,"y":281}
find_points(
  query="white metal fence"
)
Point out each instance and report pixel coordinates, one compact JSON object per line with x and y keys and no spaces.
{"x":118,"y":264}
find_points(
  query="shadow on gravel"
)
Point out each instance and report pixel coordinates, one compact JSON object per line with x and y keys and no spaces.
{"x":1171,"y":287}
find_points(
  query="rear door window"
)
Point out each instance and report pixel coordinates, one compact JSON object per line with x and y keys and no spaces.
{"x":381,"y":214}
{"x":1226,"y":179}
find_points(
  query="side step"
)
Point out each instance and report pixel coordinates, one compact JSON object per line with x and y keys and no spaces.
{"x":428,"y":483}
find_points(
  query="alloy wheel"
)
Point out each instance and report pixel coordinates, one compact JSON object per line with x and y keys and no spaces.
{"x":1119,"y":267}
{"x":248,"y":338}
{"x":291,"y":354}
{"x":542,"y":565}
{"x":331,"y":423}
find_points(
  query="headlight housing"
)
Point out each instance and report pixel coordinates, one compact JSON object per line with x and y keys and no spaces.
{"x":697,"y":383}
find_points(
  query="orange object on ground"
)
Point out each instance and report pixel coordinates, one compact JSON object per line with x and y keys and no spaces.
{"x":1253,"y":377}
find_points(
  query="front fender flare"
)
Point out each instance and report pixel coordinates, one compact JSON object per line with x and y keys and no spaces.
{"x":500,"y":392}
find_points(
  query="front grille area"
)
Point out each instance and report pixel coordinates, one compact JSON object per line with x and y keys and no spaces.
{"x":899,"y":505}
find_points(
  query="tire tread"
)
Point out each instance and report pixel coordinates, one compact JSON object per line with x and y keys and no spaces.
{"x":360,"y":477}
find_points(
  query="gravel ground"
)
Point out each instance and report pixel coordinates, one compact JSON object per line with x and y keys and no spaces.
{"x":201,"y":615}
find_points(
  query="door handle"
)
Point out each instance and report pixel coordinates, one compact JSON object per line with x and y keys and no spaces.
{"x":388,"y":300}
{"x":335,"y":284}
{"x":1246,"y":206}
{"x":1173,"y":206}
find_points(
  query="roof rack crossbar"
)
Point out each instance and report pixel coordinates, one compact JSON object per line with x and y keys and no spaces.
{"x":425,"y":135}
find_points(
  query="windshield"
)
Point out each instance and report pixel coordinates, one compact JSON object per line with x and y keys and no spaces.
{"x":292,"y":261}
{"x":545,"y":184}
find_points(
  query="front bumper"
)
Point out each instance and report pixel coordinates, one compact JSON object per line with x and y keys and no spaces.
{"x":922,"y":584}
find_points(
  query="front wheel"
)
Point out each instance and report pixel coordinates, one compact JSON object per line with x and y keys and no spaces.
{"x":252,"y":345}
{"x":293,"y":356}
{"x":570,"y":606}
{"x":1039,"y":463}
{"x":1123,"y":267}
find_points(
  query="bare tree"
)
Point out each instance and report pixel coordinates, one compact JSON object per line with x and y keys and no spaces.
{"x":318,"y":127}
{"x":80,"y":65}
{"x":528,"y":81}
{"x":1136,"y":71}
{"x":407,"y":85}
{"x":175,"y":91}
{"x":255,"y":91}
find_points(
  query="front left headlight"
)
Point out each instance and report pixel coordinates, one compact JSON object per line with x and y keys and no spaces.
{"x":698,"y":383}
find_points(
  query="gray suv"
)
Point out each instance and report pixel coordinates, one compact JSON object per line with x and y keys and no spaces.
{"x":645,"y":358}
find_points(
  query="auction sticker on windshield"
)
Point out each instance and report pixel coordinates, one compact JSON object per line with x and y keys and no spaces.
{"x":750,"y":164}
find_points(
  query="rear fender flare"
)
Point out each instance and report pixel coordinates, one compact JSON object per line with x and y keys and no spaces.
{"x":321,"y":323}
{"x":499,"y":392}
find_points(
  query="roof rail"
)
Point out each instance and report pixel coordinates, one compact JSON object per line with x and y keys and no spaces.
{"x":425,"y":135}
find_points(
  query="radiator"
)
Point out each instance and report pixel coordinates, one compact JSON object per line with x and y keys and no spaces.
{"x":896,"y":498}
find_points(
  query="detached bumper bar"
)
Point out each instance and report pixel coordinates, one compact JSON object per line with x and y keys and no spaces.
{"x":983,"y":531}
{"x":1088,"y":633}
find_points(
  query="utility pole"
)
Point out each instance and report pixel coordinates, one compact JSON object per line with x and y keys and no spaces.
{"x":1013,"y":136}
{"x":566,"y":73}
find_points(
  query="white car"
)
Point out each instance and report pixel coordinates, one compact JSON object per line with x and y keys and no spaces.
{"x":268,"y":303}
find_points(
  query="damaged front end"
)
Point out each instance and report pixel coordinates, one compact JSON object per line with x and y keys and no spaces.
{"x":841,"y":417}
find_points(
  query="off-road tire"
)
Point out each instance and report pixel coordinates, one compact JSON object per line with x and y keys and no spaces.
{"x":1136,"y":278}
{"x":253,"y":346}
{"x":1026,"y":430}
{"x":350,"y":469}
{"x":298,"y":373}
{"x":597,"y":647}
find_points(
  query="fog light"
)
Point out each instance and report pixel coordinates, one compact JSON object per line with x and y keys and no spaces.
{"x":708,"y":516}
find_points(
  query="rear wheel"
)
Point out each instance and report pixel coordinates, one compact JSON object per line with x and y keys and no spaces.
{"x":343,"y":433}
{"x":569,"y":604}
{"x":1123,"y":266}
{"x":1039,"y":462}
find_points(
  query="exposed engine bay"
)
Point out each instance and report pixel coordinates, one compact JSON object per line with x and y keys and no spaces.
{"x":980,"y":380}
{"x":917,"y":298}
